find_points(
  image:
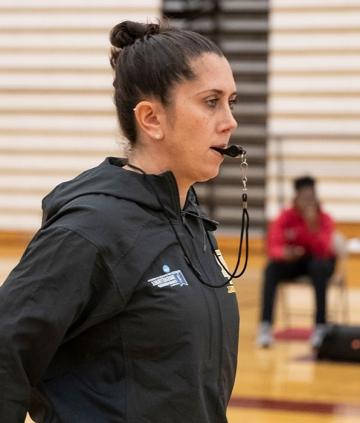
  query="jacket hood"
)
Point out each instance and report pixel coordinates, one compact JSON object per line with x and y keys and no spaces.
{"x":155,"y":192}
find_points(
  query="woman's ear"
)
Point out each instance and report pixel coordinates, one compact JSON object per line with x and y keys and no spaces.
{"x":147,"y":117}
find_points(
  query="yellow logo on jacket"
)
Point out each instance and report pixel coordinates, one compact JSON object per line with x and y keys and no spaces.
{"x":220,"y":259}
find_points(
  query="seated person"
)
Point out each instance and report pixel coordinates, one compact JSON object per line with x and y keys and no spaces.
{"x":299,"y":242}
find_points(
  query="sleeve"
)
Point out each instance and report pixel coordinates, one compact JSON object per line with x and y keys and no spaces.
{"x":275,"y":239}
{"x":39,"y":301}
{"x":319,"y":242}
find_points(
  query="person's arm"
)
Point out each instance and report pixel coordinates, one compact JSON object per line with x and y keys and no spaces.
{"x":318,"y":239}
{"x":278,"y":248}
{"x":39,"y":301}
{"x":275,"y":239}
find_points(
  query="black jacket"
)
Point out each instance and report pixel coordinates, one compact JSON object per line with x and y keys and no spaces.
{"x":104,"y":320}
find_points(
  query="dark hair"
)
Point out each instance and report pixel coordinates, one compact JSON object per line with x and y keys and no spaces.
{"x":303,"y":182}
{"x":149,"y":59}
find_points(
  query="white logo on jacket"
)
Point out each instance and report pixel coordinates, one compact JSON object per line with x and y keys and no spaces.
{"x":169,"y":279}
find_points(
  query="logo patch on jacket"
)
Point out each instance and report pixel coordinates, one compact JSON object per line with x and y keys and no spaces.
{"x":220,"y":258}
{"x":169,"y":279}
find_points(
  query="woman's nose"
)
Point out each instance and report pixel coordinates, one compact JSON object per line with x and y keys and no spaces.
{"x":233,"y":122}
{"x":229,"y":123}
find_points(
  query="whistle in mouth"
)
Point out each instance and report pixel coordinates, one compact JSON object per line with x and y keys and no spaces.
{"x":232,"y":150}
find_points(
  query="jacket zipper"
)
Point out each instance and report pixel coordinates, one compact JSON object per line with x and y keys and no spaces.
{"x":173,"y":185}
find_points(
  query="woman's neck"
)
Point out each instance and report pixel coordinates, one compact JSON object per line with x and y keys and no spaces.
{"x":151,"y":165}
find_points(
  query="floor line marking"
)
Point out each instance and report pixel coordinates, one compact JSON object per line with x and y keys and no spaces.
{"x":298,"y":406}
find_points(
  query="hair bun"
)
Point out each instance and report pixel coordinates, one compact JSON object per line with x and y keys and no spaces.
{"x":127,"y":32}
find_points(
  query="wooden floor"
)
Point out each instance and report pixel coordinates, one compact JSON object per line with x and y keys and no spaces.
{"x":282,"y":384}
{"x":285,"y":384}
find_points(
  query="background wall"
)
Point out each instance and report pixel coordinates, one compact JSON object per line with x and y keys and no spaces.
{"x":56,"y":111}
{"x":314,"y":102}
{"x":57,"y":116}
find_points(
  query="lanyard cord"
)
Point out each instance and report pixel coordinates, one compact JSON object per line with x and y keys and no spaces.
{"x":245,"y":221}
{"x":244,"y":224}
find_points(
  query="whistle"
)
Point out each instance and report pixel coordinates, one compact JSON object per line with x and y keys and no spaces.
{"x":232,"y":150}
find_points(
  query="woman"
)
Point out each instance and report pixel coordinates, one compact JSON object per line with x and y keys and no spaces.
{"x":110,"y":315}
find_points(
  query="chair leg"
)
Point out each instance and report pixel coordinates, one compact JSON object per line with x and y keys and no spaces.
{"x":284,"y":306}
{"x":345,"y":304}
{"x":341,"y":304}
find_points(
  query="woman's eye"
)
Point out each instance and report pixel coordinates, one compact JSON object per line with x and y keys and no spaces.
{"x":232,"y":103}
{"x":212,"y":102}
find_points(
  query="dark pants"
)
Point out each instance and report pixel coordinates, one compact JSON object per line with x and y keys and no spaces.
{"x":319,"y":272}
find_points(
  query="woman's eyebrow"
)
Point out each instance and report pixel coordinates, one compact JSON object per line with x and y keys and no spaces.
{"x":216,"y":91}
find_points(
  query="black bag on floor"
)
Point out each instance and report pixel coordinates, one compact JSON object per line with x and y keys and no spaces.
{"x":341,"y":343}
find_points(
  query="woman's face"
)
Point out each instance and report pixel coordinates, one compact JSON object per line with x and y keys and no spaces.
{"x":198,"y":118}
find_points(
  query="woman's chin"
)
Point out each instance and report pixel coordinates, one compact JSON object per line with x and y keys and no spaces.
{"x":209,"y":174}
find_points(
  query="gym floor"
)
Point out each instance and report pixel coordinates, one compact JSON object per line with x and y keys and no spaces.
{"x":283,"y":384}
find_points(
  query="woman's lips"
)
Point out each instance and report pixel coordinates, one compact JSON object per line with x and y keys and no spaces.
{"x":219,"y":148}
